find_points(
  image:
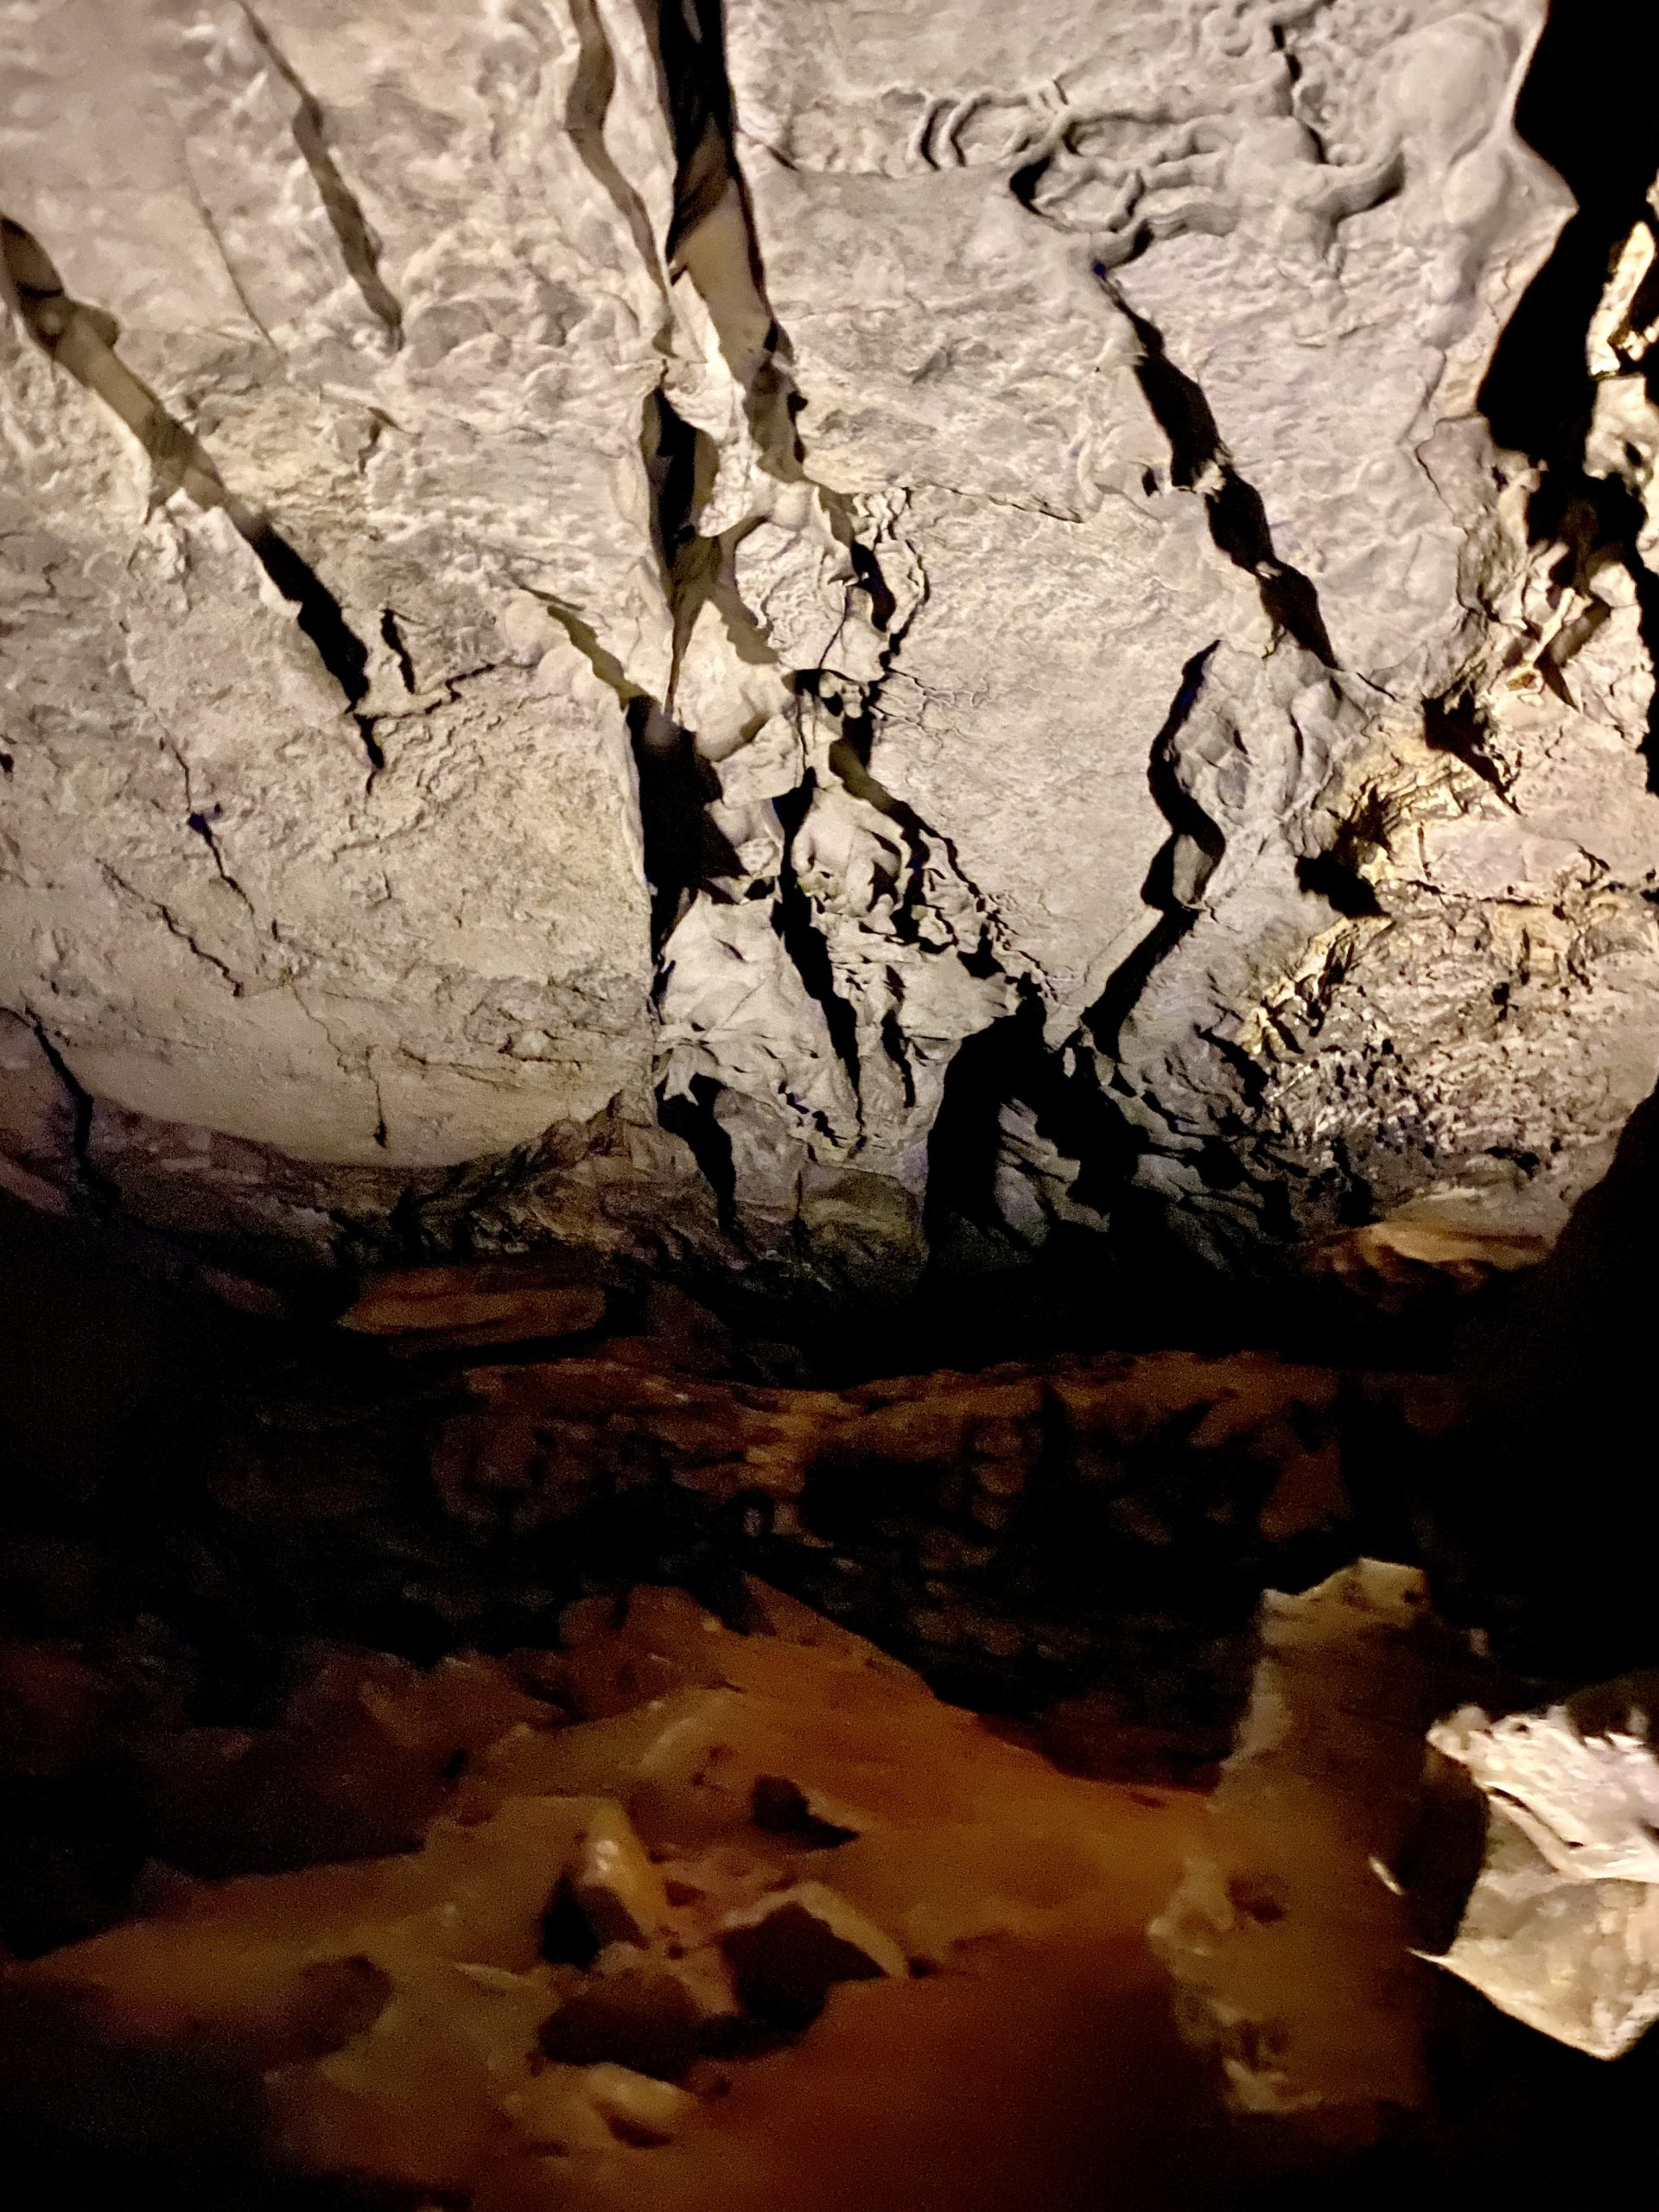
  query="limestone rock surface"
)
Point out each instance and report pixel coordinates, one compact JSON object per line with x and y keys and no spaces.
{"x":1562,"y":1927}
{"x":308,"y":850}
{"x":592,"y":591}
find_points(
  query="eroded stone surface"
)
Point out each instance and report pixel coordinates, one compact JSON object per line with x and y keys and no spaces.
{"x":939,"y":1992}
{"x":324,"y":839}
{"x":507,"y":622}
{"x":1316,"y":1800}
{"x":1562,"y":1927}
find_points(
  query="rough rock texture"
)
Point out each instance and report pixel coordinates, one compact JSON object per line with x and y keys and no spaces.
{"x":1081,"y":1542}
{"x":1093,"y":1531}
{"x":686,"y":635}
{"x":626,"y":1960}
{"x":1562,"y":1928}
{"x":288,"y":857}
{"x":1291,"y":1955}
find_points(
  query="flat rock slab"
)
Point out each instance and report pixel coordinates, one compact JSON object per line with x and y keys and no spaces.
{"x":502,"y":1302}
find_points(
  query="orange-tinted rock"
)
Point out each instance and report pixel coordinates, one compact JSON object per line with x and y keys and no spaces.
{"x":494,"y":1302}
{"x":1422,"y":1250}
{"x":54,"y":1708}
{"x":917,"y":1977}
{"x":360,"y":1762}
{"x":1289,"y":1937}
{"x":950,"y":1455}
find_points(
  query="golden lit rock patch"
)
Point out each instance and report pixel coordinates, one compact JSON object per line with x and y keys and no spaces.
{"x":709,"y":1919}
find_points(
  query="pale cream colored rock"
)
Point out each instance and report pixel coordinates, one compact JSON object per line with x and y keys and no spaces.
{"x":615,"y":1883}
{"x":422,"y":345}
{"x":948,"y":331}
{"x":1562,"y":1928}
{"x":1090,"y":307}
{"x":1480,"y":1026}
{"x":1036,"y":567}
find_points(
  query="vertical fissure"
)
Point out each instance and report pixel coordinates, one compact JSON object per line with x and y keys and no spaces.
{"x":849,"y":966}
{"x":358,"y":247}
{"x":1175,"y":901}
{"x":81,"y":340}
{"x":1199,"y":462}
{"x":1599,"y":130}
{"x":803,"y":941}
{"x":97,"y":1192}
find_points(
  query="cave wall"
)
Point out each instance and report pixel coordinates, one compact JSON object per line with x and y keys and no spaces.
{"x":812,"y":631}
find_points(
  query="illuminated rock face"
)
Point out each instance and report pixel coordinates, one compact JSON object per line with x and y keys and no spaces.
{"x":703,"y":1919}
{"x":550,"y":690}
{"x":1562,"y":1927}
{"x":716,"y":1920}
{"x":1289,"y":1938}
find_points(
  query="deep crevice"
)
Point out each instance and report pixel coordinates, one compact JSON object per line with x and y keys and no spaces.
{"x":892,"y":1044}
{"x":689,"y":43}
{"x":691,"y":40}
{"x":1187,"y":819}
{"x":690,"y":1115}
{"x":358,"y":248}
{"x":393,"y":638}
{"x":1454,"y":725}
{"x":877,"y":590}
{"x":1599,"y":129}
{"x":1199,"y":462}
{"x":583,"y":636}
{"x":678,"y":467}
{"x":849,"y":761}
{"x":688,"y":40}
{"x":1011,"y":1063}
{"x":592,"y":91}
{"x":684,"y":850}
{"x":1329,"y":877}
{"x":81,"y":340}
{"x":95,"y":1187}
{"x":1597,"y":518}
{"x":803,"y":940}
{"x":320,"y":616}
